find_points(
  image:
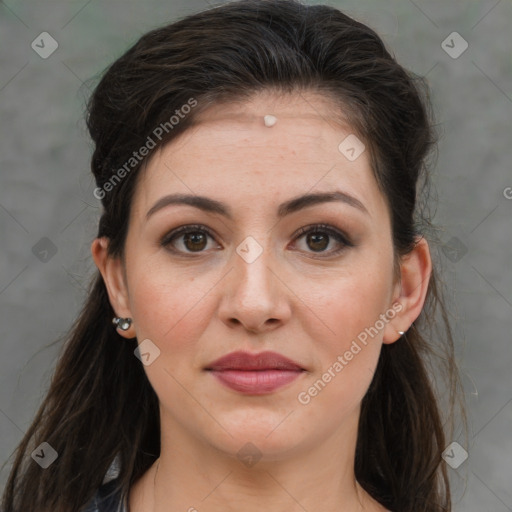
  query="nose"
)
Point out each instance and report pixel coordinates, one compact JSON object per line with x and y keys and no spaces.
{"x":254,"y":295}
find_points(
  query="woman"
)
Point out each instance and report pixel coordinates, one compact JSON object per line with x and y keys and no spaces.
{"x":257,"y":335}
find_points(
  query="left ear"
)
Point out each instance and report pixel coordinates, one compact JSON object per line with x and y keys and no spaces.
{"x":410,"y":291}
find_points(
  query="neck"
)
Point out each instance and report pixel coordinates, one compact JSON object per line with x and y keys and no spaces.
{"x":191,"y":476}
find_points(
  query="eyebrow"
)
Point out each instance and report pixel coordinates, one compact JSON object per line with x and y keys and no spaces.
{"x":293,"y":205}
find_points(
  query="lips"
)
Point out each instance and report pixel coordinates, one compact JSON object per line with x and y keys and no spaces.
{"x":255,"y":374}
{"x":245,"y":361}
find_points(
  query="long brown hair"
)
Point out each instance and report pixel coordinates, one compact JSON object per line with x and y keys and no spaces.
{"x":100,"y":403}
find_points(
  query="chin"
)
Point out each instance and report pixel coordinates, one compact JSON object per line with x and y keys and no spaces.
{"x":269,"y":437}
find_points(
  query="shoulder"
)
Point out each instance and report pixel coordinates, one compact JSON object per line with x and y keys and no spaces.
{"x":108,"y":498}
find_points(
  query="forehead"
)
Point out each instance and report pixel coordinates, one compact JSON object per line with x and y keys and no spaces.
{"x":308,"y":116}
{"x":230,"y":149}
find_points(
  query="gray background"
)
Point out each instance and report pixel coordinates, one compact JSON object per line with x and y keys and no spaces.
{"x":46,"y":191}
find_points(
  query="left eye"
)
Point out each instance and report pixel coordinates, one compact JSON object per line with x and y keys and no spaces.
{"x":318,"y":238}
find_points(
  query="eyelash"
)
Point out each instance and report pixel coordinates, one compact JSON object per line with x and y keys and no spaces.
{"x":339,"y":236}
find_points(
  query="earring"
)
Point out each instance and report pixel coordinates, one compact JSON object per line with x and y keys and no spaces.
{"x":401,"y":333}
{"x":122,"y":323}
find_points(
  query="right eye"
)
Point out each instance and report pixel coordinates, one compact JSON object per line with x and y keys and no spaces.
{"x":193,"y":239}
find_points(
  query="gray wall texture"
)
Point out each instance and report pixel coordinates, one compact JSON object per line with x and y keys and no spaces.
{"x":48,"y":214}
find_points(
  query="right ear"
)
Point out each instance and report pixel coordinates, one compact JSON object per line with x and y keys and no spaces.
{"x":112,"y":272}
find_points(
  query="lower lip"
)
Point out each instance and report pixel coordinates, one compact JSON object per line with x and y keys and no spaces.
{"x":256,"y":382}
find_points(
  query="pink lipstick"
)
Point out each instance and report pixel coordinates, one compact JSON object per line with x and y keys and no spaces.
{"x":255,"y":374}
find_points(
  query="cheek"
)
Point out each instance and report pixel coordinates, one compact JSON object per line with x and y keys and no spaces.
{"x":348,"y":340}
{"x":169,"y":309}
{"x":172,"y":312}
{"x":349,"y":303}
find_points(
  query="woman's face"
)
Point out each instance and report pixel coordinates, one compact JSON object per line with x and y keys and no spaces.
{"x":249,"y":281}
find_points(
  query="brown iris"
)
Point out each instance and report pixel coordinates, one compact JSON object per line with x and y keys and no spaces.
{"x":317,"y":241}
{"x":195,"y":241}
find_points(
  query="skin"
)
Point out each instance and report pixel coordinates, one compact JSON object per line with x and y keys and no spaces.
{"x":295,"y":299}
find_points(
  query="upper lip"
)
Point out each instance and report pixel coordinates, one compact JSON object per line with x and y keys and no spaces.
{"x":246,"y":361}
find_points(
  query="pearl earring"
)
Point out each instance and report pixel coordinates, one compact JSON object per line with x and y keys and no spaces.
{"x":122,"y":323}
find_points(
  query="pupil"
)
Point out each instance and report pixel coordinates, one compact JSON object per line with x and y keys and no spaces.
{"x":196,"y":239}
{"x":317,"y":239}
